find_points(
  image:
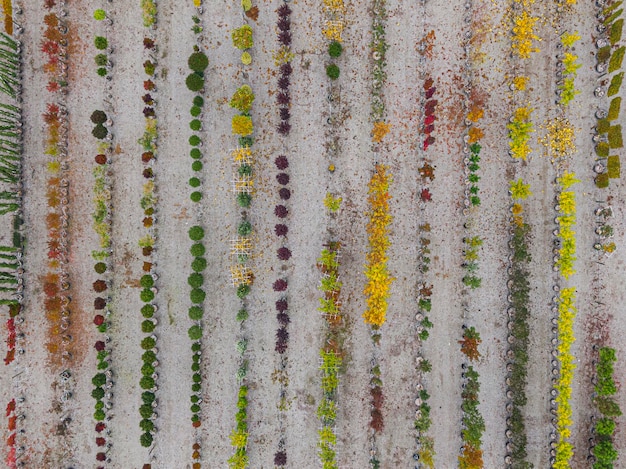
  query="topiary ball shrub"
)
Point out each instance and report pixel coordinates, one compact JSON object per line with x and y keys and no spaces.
{"x":198,"y":264}
{"x":283,"y":253}
{"x":281,"y":211}
{"x":101,"y":60}
{"x":195,"y":313}
{"x":194,"y":141}
{"x":99,"y":131}
{"x":194,"y":182}
{"x":146,"y":295}
{"x":281,"y":162}
{"x":197,"y":295}
{"x":101,"y":71}
{"x":198,"y":101}
{"x":101,"y":159}
{"x":195,"y":332}
{"x":198,"y":61}
{"x":100,"y":267}
{"x":197,"y":165}
{"x":197,"y":250}
{"x":98,"y":117}
{"x":196,"y":233}
{"x":147,"y":311}
{"x":195,"y":111}
{"x":146,"y":281}
{"x":281,"y":230}
{"x":195,"y":125}
{"x":145,"y":439}
{"x":100,"y":42}
{"x":196,"y":196}
{"x":148,"y":343}
{"x":195,"y":280}
{"x":335,"y":49}
{"x":194,"y":82}
{"x":282,"y":178}
{"x":147,"y":327}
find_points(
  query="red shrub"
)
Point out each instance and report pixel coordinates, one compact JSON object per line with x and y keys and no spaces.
{"x":50,"y":289}
{"x":147,"y":99}
{"x":99,"y":346}
{"x":98,"y":320}
{"x":148,"y":43}
{"x":101,"y":457}
{"x":430,"y":92}
{"x":281,"y":230}
{"x":100,"y":441}
{"x":101,"y":159}
{"x":377,"y":420}
{"x":99,"y":286}
{"x":281,"y":162}
{"x":100,"y":426}
{"x":280,"y":285}
{"x":148,"y":85}
{"x":282,"y":178}
{"x":146,"y":156}
{"x":282,"y":334}
{"x":281,"y":211}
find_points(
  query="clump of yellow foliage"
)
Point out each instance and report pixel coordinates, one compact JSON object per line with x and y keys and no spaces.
{"x":378,"y":278}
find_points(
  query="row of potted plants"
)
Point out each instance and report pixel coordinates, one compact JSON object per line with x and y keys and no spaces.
{"x":148,"y":203}
{"x":609,"y":56}
{"x":197,"y":63}
{"x":568,"y":66}
{"x":331,"y":352}
{"x":284,"y":79}
{"x":241,"y":247}
{"x":605,"y":389}
{"x":332,"y":30}
{"x":11,"y":456}
{"x":378,"y":48}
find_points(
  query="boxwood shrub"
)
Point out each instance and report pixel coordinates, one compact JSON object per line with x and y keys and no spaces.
{"x":197,"y":295}
{"x":147,"y":311}
{"x":198,"y":264}
{"x":146,"y":295}
{"x":197,"y":250}
{"x":195,"y":313}
{"x":195,"y":280}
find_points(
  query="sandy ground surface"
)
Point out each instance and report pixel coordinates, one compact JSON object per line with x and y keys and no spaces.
{"x":30,"y":375}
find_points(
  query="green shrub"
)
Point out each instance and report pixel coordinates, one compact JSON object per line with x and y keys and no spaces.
{"x":614,"y":109}
{"x":195,"y":332}
{"x":198,"y":101}
{"x":242,"y":37}
{"x":148,"y":343}
{"x":195,"y":280}
{"x":615,"y":136}
{"x":195,"y":387}
{"x":101,"y":71}
{"x":100,"y":42}
{"x":335,"y":49}
{"x":615,"y":63}
{"x":196,"y":378}
{"x":147,"y":369}
{"x":245,"y":141}
{"x":332,"y":71}
{"x":605,"y":427}
{"x":198,"y":61}
{"x":197,"y":250}
{"x":243,"y":291}
{"x":245,"y":170}
{"x":99,"y":14}
{"x":147,"y":397}
{"x":195,"y":366}
{"x":101,"y":60}
{"x":602,"y":180}
{"x":146,"y":281}
{"x":194,"y":182}
{"x":616,"y":84}
{"x":196,"y":196}
{"x":196,"y":165}
{"x":99,"y":131}
{"x":195,"y":408}
{"x":145,"y":439}
{"x":147,"y":311}
{"x":195,"y":313}
{"x":195,"y":125}
{"x":194,"y":82}
{"x":149,"y":67}
{"x":603,"y":54}
{"x":99,"y":415}
{"x":616,"y":14}
{"x":195,"y":111}
{"x":196,"y":233}
{"x":198,"y":264}
{"x":602,"y":126}
{"x":244,"y":199}
{"x":195,"y":347}
{"x":245,"y":228}
{"x":149,"y":357}
{"x":97,"y":393}
{"x":146,"y":382}
{"x":194,"y":141}
{"x":100,"y":267}
{"x":99,"y":379}
{"x":98,"y":117}
{"x":197,"y":296}
{"x":602,"y":149}
{"x":146,"y":295}
{"x":242,"y":315}
{"x":147,"y":327}
{"x":146,"y":425}
{"x":616,"y":31}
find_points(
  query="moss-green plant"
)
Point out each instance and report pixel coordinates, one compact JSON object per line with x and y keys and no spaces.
{"x":100,"y":131}
{"x":194,"y":182}
{"x":146,"y":281}
{"x":615,"y":137}
{"x":195,"y":313}
{"x":198,"y":61}
{"x":198,"y":264}
{"x":197,"y":250}
{"x":197,"y":296}
{"x":147,"y":311}
{"x":195,"y":125}
{"x":602,"y":180}
{"x":616,"y":31}
{"x":100,"y":267}
{"x":149,"y":67}
{"x":602,"y":126}
{"x":242,"y":315}
{"x":616,"y":83}
{"x":194,"y":82}
{"x":243,"y":291}
{"x":102,"y":72}
{"x":195,"y":111}
{"x":602,"y":149}
{"x":196,"y":233}
{"x":332,"y":71}
{"x":195,"y":332}
{"x":603,"y":54}
{"x":198,"y":101}
{"x":101,"y":60}
{"x":614,"y":108}
{"x":615,"y":63}
{"x":197,"y":165}
{"x":613,"y":167}
{"x":196,"y":196}
{"x":148,"y":343}
{"x":99,"y":14}
{"x":245,"y":170}
{"x":335,"y":49}
{"x":195,"y":280}
{"x":146,"y":295}
{"x":194,"y":141}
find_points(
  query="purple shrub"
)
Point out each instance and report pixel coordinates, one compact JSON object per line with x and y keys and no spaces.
{"x":286,"y":69}
{"x":281,"y":230}
{"x":283,"y":253}
{"x":284,"y":193}
{"x":280,"y":285}
{"x":283,"y":128}
{"x":280,"y":458}
{"x":284,"y":11}
{"x":284,"y":24}
{"x":283,"y":98}
{"x":281,"y":306}
{"x":283,"y":83}
{"x":282,"y":334}
{"x":281,"y":162}
{"x":284,"y":38}
{"x":281,"y":211}
{"x":281,"y":347}
{"x":282,"y":178}
{"x":283,"y":318}
{"x":284,"y":113}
